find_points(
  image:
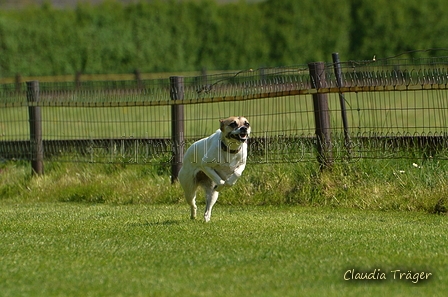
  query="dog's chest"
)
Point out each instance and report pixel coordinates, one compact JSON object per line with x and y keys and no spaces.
{"x":223,"y":159}
{"x":230,"y":160}
{"x":210,"y":152}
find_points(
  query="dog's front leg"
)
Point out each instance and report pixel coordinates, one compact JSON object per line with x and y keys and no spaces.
{"x":232,"y":179}
{"x":212,"y":174}
{"x":235,"y":175}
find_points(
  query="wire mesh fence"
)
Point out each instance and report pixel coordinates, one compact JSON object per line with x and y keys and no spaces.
{"x":394,"y":108}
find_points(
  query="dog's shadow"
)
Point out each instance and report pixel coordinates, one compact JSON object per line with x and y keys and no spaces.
{"x":154,"y":223}
{"x":163,"y":223}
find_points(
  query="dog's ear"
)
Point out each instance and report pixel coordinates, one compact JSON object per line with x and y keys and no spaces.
{"x":221,"y":125}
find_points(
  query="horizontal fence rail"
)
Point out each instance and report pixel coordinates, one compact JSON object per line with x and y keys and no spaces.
{"x":363,"y":76}
{"x":391,"y":108}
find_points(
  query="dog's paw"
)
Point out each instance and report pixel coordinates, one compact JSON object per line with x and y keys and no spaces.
{"x":230,"y":183}
{"x":232,"y":179}
{"x":219,"y":186}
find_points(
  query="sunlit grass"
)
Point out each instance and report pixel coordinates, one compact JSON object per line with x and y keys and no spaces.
{"x":79,"y":249}
{"x":282,"y":230}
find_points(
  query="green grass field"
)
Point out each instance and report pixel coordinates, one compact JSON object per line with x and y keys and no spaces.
{"x":70,"y":249}
{"x":283,"y":230}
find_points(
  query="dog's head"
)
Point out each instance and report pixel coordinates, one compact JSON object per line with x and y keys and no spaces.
{"x":237,"y":128}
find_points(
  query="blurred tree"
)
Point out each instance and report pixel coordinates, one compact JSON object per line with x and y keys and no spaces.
{"x":307,"y":30}
{"x":243,"y":41}
{"x":174,"y":35}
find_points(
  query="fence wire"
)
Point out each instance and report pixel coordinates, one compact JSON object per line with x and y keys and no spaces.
{"x":395,"y":108}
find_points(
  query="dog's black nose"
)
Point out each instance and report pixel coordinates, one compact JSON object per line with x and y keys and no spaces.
{"x":244,"y":129}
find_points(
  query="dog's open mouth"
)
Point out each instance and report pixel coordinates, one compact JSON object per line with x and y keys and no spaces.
{"x":240,"y":136}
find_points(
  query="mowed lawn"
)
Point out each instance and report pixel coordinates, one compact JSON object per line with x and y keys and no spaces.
{"x":68,"y":249}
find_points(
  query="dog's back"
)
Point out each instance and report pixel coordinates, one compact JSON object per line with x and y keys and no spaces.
{"x":195,"y":154}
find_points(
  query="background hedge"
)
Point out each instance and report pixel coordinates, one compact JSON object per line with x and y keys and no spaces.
{"x":190,"y":35}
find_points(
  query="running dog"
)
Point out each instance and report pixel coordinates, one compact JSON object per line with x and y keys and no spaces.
{"x":215,"y":162}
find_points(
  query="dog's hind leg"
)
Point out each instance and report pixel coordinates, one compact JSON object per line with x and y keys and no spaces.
{"x":190,"y":196}
{"x":193,"y":208}
{"x":191,"y":200}
{"x":189,"y":188}
{"x":212,"y":197}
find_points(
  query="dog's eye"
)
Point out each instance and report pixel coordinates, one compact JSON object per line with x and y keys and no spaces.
{"x":246,"y":124}
{"x":233,"y":125}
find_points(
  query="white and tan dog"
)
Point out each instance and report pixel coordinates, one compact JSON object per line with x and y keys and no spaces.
{"x":215,"y":162}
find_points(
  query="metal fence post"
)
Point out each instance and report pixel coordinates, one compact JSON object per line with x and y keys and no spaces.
{"x":321,"y":115}
{"x":177,"y":125}
{"x":340,"y":82}
{"x":35,"y":119}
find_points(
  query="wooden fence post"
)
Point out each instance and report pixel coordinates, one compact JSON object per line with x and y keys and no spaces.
{"x":78,"y":79}
{"x":177,"y":125}
{"x":35,"y":119}
{"x":321,"y":115}
{"x":138,"y":78}
{"x":18,"y":81}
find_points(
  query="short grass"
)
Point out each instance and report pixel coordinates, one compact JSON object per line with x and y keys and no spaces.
{"x":82,"y":249}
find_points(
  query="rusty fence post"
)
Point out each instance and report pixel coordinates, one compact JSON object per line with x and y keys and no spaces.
{"x":35,"y":119}
{"x":321,"y":115}
{"x":177,"y":125}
